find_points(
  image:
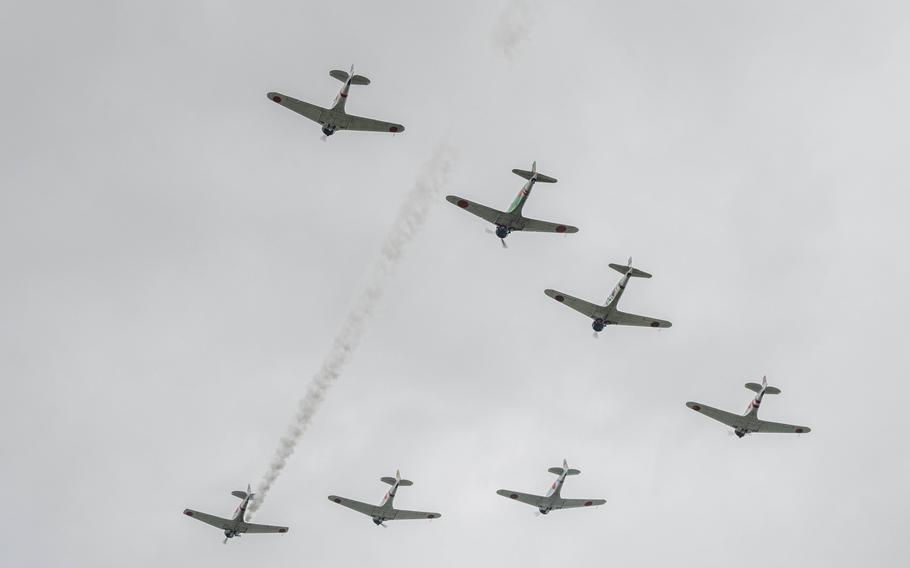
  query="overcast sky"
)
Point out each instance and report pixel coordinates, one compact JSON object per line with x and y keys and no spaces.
{"x":178,"y":254}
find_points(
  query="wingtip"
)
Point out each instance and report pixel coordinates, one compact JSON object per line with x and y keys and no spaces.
{"x":694,"y":406}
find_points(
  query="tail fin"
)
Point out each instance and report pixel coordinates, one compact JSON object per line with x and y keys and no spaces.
{"x":534,"y":175}
{"x":623,"y":269}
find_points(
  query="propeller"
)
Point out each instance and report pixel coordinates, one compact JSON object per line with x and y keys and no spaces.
{"x":503,"y":241}
{"x":324,"y":138}
{"x":224,"y":541}
{"x":383,"y":525}
{"x":596,"y":335}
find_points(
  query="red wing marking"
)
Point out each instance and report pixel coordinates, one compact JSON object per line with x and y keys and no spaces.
{"x":393,"y":129}
{"x":587,"y":503}
{"x":559,"y":298}
{"x":560,"y":228}
{"x":462,"y":203}
{"x":276,"y":98}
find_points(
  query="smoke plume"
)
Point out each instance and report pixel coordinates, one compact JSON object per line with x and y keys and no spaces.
{"x":407,"y":224}
{"x":514,"y":25}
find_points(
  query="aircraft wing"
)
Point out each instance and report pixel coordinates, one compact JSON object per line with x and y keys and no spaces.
{"x":254,"y":529}
{"x":365,"y":508}
{"x":587,"y":308}
{"x":533,"y":225}
{"x":399,"y":515}
{"x":779,"y":428}
{"x":622,"y":318}
{"x":371,"y":125}
{"x":728,"y":418}
{"x":482,"y":211}
{"x":308,"y":110}
{"x":533,"y":500}
{"x":209,"y":519}
{"x":573,"y":503}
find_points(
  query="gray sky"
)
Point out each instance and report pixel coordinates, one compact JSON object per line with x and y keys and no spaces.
{"x":178,"y":254}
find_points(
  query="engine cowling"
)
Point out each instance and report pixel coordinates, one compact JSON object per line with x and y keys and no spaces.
{"x":502,"y":232}
{"x":328,"y":131}
{"x":598,"y":325}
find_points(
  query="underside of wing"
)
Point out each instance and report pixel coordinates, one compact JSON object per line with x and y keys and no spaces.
{"x":533,"y":500}
{"x":371,"y":125}
{"x":259,"y":529}
{"x":482,"y":211}
{"x":308,"y":110}
{"x":209,"y":519}
{"x":582,"y":306}
{"x":573,"y":503}
{"x":398,"y":515}
{"x":364,"y":508}
{"x":533,"y":225}
{"x":728,"y":418}
{"x":622,"y":318}
{"x":779,"y":428}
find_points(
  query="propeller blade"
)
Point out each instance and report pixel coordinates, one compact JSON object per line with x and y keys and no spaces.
{"x":504,"y":245}
{"x":596,"y":335}
{"x":324,"y":138}
{"x":224,"y":541}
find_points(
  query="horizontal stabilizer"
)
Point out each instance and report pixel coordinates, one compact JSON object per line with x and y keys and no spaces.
{"x":392,"y":481}
{"x":573,"y":472}
{"x":623,"y":269}
{"x":755,"y":387}
{"x":359,"y":80}
{"x":539,"y":177}
{"x":239,"y":494}
{"x":340,"y":75}
{"x":556,"y":470}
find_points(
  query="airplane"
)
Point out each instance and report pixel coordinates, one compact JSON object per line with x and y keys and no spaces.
{"x":513,"y":220}
{"x":552,"y":500}
{"x":609,"y":314}
{"x":385,"y":511}
{"x":336,"y":118}
{"x":749,"y":422}
{"x":236,"y":525}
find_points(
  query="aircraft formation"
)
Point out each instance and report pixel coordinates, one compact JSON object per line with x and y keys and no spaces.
{"x":506,"y":222}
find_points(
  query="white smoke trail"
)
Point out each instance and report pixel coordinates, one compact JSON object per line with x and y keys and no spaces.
{"x":514,"y":25}
{"x":410,"y":219}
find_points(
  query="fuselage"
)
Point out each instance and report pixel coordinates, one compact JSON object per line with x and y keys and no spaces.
{"x":387,"y":502}
{"x":239,"y":518}
{"x":554,"y":491}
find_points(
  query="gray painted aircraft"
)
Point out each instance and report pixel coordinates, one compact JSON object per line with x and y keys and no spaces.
{"x":609,"y":314}
{"x":513,"y":220}
{"x":236,"y":525}
{"x":336,"y":118}
{"x":385,"y":511}
{"x":552,"y":500}
{"x":749,"y":422}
